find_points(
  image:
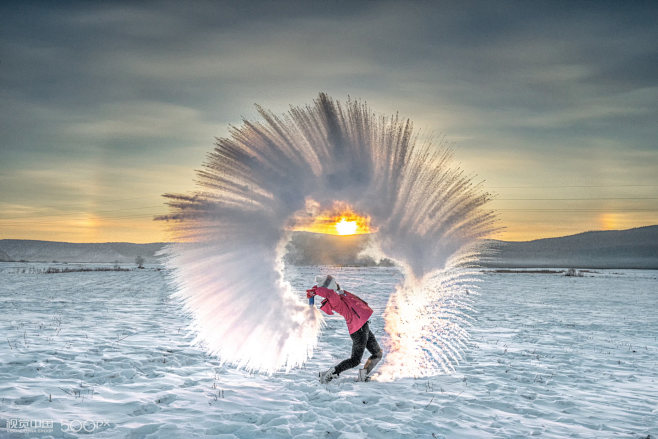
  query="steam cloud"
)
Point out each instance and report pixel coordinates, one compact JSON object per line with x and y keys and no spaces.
{"x":228,"y":264}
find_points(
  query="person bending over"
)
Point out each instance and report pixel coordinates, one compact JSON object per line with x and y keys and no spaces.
{"x":356,"y":313}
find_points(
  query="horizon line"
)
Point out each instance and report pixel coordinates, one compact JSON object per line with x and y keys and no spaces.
{"x":339,"y":236}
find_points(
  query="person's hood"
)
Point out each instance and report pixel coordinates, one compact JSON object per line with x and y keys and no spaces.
{"x":327,"y":281}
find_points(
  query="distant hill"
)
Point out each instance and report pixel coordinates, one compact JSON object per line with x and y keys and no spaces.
{"x":318,"y":249}
{"x":48,"y":251}
{"x":632,"y":248}
{"x":4,"y":256}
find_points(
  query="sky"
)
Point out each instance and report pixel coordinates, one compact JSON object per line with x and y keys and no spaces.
{"x":105,"y":106}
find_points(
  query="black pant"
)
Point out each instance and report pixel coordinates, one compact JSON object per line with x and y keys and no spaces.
{"x":361,"y":340}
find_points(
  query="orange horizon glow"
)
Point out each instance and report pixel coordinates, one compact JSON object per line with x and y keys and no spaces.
{"x":340,"y":220}
{"x":94,"y":227}
{"x":146,"y":232}
{"x":89,"y":228}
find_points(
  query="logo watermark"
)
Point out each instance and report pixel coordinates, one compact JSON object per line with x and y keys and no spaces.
{"x":20,"y":425}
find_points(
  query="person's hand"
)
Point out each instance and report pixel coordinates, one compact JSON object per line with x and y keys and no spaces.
{"x":310,"y":293}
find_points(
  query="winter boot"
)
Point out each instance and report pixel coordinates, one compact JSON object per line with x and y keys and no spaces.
{"x":372,"y":362}
{"x":328,"y":375}
{"x":363,"y":375}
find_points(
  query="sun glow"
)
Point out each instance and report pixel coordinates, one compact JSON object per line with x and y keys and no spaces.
{"x":339,"y":219}
{"x":344,"y":227}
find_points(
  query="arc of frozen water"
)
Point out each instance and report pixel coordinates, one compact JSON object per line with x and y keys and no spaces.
{"x":227,"y":264}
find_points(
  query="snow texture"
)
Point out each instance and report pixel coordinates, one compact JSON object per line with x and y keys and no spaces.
{"x":550,"y":356}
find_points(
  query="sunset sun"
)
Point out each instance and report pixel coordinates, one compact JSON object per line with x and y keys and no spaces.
{"x":344,"y":227}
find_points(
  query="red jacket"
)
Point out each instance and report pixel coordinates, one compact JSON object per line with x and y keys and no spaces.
{"x":355,"y":311}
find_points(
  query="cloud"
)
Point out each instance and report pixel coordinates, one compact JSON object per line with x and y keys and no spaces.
{"x":154,"y":120}
{"x":122,"y":84}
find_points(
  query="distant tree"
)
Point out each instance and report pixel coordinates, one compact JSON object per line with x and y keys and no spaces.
{"x":573,"y":272}
{"x":139,"y":261}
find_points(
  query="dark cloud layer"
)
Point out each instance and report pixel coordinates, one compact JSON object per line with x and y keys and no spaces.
{"x":126,"y":84}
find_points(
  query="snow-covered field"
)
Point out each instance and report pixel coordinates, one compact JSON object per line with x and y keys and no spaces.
{"x":106,"y":354}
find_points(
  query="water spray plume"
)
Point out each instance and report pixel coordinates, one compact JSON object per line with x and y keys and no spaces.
{"x":327,"y":160}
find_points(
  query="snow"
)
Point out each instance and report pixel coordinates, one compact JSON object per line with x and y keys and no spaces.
{"x":550,"y":356}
